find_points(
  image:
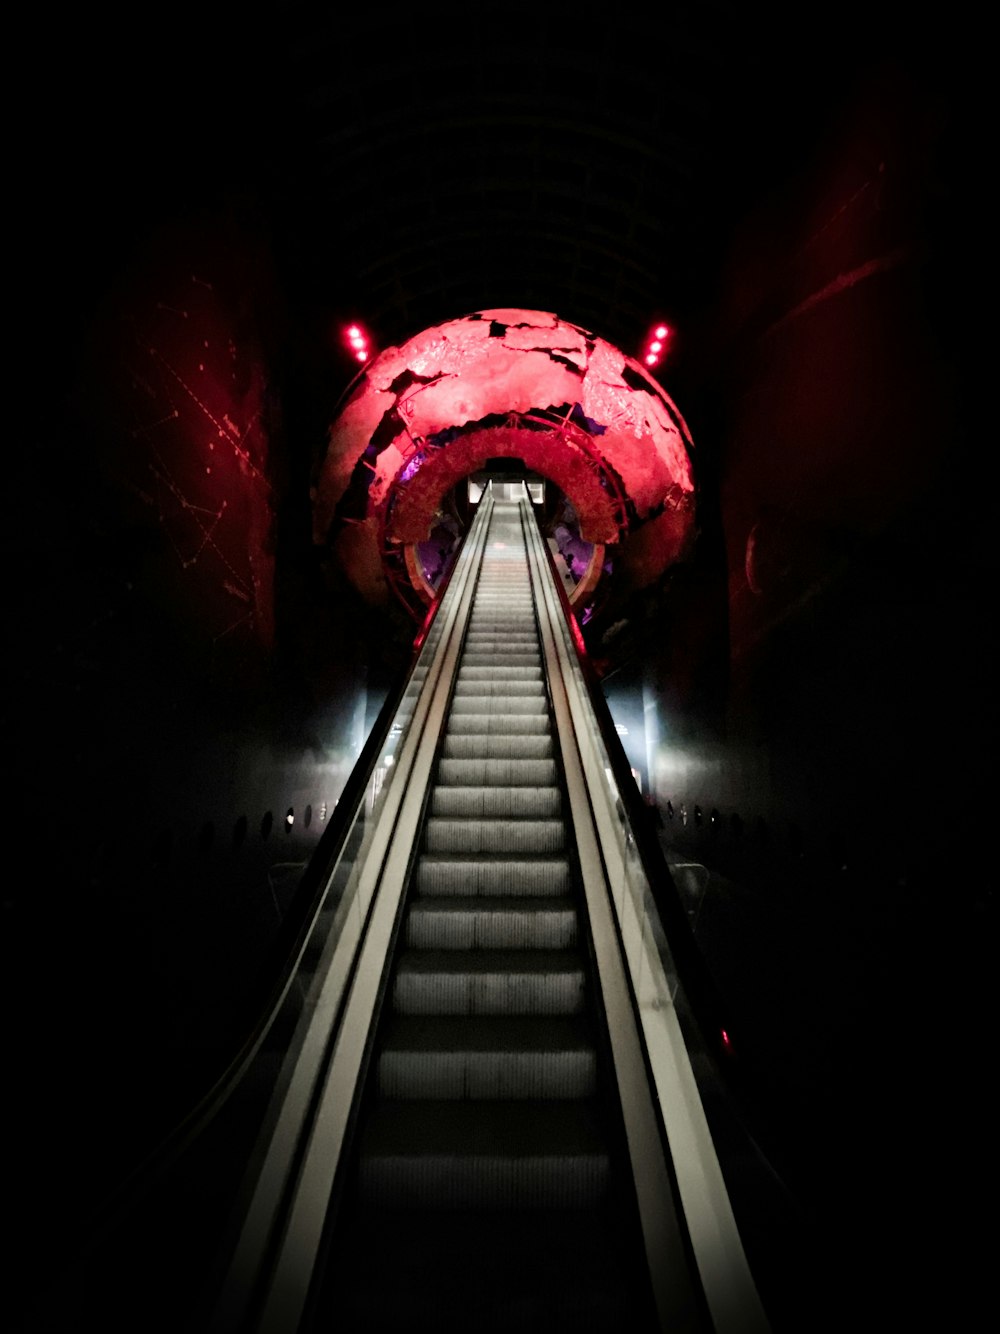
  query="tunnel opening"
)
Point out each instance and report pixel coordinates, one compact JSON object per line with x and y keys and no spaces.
{"x":580,"y":563}
{"x":594,"y":433}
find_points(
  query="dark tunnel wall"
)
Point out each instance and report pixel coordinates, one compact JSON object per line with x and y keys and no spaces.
{"x":813,"y":728}
{"x":181,"y":680}
{"x":839,"y":438}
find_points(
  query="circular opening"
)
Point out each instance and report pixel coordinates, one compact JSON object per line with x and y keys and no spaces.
{"x":307,"y":816}
{"x":435,"y":553}
{"x":289,"y":819}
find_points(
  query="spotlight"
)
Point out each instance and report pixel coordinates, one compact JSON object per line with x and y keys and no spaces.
{"x":655,"y":347}
{"x":357,"y":342}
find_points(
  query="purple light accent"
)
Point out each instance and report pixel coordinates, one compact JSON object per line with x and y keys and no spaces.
{"x":411,"y":468}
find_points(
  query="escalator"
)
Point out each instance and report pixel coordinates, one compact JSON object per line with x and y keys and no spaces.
{"x":490,"y":1179}
{"x":489,"y":1116}
{"x":477,"y":1097}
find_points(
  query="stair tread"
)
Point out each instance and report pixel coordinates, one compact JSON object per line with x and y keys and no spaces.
{"x":500,"y":798}
{"x":487,"y":1033}
{"x":510,"y":772}
{"x":550,"y":821}
{"x":502,"y":1129}
{"x":494,"y":859}
{"x":498,"y":904}
{"x":530,"y":1269}
{"x":491,"y":961}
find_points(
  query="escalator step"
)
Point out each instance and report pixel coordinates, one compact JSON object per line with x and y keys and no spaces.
{"x":499,"y":703}
{"x":515,"y":658}
{"x":496,"y":773}
{"x":531,"y":1272}
{"x":486,"y":724}
{"x":453,"y":922}
{"x":498,"y":747}
{"x":489,"y":982}
{"x":498,"y":672}
{"x":487,"y":1058}
{"x":511,"y":836}
{"x":453,"y":1154}
{"x":496,"y":802}
{"x":493,"y":875}
{"x":489,"y":687}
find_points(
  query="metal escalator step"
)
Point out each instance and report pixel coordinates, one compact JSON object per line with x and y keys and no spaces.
{"x":496,"y":802}
{"x":442,"y":834}
{"x":530,"y":876}
{"x":515,"y":658}
{"x":501,"y":612}
{"x":481,"y":688}
{"x":482,"y":637}
{"x":496,"y":672}
{"x":456,"y":922}
{"x":484,"y":1155}
{"x":499,"y":703}
{"x":487,"y":1057}
{"x":483,"y":724}
{"x":500,"y":773}
{"x":498,"y":746}
{"x":489,"y":982}
{"x":493,"y":1273}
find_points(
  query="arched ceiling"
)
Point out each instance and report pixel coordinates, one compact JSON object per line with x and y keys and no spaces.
{"x":411,"y":163}
{"x":560,"y":158}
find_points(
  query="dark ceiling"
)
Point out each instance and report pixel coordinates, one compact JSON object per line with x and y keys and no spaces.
{"x":410,"y":165}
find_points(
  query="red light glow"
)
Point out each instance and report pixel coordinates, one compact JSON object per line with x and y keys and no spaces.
{"x":577,"y":633}
{"x":357,"y":341}
{"x":725,"y":1038}
{"x":655,"y":348}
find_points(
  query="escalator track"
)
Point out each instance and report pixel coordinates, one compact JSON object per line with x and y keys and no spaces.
{"x":487,"y":1116}
{"x":488,"y":1187}
{"x":472,"y":1101}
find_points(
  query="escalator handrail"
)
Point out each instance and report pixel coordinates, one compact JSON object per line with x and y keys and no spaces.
{"x":306,"y":1126}
{"x":707,"y":1009}
{"x":285,"y":953}
{"x":703,"y":1003}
